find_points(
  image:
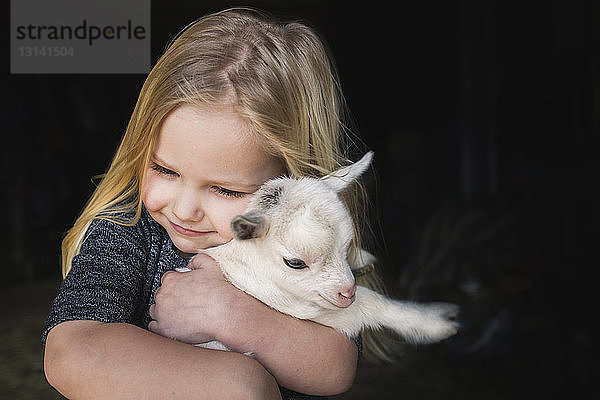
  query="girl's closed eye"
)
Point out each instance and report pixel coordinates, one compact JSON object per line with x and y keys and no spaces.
{"x":162,"y":170}
{"x":221,"y":191}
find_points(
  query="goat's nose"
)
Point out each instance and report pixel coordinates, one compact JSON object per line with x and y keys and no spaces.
{"x":347,"y":295}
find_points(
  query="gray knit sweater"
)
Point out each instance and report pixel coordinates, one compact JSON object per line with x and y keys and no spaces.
{"x":115,"y":275}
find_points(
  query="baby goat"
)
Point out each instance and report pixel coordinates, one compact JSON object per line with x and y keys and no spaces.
{"x":290,"y":251}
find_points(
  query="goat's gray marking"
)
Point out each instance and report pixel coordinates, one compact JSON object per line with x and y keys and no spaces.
{"x":270,"y":198}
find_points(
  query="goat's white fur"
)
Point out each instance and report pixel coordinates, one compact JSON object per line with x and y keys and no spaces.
{"x":304,"y":219}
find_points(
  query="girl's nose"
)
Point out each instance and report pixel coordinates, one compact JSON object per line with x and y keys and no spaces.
{"x":188,"y":206}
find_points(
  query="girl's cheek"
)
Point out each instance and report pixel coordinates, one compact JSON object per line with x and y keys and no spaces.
{"x":231,"y":210}
{"x":153,"y":197}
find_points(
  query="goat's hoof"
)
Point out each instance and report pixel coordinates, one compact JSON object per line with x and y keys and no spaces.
{"x":441,"y":324}
{"x":444,"y":310}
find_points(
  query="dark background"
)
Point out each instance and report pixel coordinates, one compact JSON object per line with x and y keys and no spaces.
{"x":484,"y":118}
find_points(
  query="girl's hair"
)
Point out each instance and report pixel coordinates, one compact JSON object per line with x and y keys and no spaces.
{"x":278,"y":76}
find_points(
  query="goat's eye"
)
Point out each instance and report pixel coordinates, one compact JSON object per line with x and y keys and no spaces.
{"x":294,"y":263}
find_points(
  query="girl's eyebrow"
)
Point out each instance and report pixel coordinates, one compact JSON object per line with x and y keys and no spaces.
{"x":247,"y":187}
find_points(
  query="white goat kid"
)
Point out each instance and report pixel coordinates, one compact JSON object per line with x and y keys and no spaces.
{"x":290,"y":251}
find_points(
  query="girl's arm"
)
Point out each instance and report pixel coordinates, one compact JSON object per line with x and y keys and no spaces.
{"x":302,"y":355}
{"x":94,"y":360}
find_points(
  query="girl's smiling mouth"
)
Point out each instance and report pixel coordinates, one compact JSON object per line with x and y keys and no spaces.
{"x":188,"y":232}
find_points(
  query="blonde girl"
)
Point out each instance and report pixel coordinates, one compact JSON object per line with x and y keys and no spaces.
{"x":238,"y":98}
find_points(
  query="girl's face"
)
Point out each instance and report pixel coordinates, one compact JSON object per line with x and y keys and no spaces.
{"x":203,"y":169}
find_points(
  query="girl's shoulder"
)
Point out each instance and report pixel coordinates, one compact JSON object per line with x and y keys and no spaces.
{"x":122,"y":230}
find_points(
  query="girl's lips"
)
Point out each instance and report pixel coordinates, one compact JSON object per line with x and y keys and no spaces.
{"x":187,"y":232}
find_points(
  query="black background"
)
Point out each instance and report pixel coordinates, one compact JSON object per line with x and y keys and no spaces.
{"x":484,"y":119}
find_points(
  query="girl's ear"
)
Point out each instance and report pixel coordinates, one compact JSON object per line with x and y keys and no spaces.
{"x":251,"y":225}
{"x":340,"y":179}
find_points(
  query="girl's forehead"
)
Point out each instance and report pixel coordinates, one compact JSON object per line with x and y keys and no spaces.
{"x":199,"y":140}
{"x":225,"y":113}
{"x":201,"y":127}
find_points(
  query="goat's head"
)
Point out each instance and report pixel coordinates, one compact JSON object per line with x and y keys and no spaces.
{"x":304,"y":231}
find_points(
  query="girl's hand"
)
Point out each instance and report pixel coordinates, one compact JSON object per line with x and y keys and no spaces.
{"x":193,"y":306}
{"x":200,"y":305}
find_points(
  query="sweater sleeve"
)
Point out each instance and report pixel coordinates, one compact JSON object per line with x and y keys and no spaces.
{"x":106,"y":279}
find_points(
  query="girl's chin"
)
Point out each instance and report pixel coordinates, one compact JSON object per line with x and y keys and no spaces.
{"x":187,"y":246}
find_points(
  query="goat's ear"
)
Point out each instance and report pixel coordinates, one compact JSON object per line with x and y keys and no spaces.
{"x":340,"y":179}
{"x":249,"y":226}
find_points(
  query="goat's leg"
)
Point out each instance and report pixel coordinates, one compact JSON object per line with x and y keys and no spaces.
{"x":415,"y":322}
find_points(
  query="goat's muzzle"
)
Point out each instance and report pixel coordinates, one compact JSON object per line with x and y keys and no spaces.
{"x":346,"y":297}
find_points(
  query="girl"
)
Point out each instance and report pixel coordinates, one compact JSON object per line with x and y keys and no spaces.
{"x":235,"y":100}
